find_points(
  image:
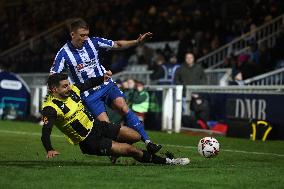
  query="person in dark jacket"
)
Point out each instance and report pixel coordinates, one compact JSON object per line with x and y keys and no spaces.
{"x":190,"y":73}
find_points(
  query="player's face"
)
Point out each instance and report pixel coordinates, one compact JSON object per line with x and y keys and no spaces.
{"x":63,"y":90}
{"x":79,"y":37}
{"x":189,"y":59}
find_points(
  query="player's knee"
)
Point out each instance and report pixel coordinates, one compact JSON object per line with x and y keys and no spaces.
{"x":136,"y":137}
{"x":124,"y":109}
{"x":132,"y":135}
{"x":121,"y":105}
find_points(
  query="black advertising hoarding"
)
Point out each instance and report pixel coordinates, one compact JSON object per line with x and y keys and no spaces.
{"x":232,"y":107}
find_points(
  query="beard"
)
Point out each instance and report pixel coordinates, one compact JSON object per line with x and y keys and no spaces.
{"x":65,"y":95}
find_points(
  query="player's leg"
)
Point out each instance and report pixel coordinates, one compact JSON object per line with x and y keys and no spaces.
{"x":130,"y":117}
{"x":116,"y":100}
{"x":117,"y":132}
{"x":112,"y":96}
{"x":128,"y":135}
{"x":96,"y":105}
{"x":103,"y":117}
{"x":97,"y":144}
{"x":133,"y":122}
{"x":143,"y":156}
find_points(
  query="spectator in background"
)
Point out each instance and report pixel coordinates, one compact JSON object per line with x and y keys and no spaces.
{"x":200,"y":112}
{"x":190,"y":73}
{"x":172,"y":68}
{"x":158,"y":71}
{"x":254,"y":53}
{"x":128,"y":88}
{"x":130,"y":91}
{"x":245,"y":68}
{"x":131,"y":84}
{"x":124,"y":86}
{"x":140,"y":102}
{"x":164,"y":73}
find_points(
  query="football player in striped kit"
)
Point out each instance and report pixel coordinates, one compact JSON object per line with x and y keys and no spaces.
{"x":80,"y":57}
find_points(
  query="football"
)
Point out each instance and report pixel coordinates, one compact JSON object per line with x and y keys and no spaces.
{"x":208,"y":147}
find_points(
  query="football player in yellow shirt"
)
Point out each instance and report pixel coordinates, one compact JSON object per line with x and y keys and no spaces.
{"x":63,"y":108}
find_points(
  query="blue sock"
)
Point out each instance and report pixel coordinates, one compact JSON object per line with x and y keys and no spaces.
{"x":133,"y":122}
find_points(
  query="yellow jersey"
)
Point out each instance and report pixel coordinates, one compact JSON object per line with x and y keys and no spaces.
{"x":70,"y":115}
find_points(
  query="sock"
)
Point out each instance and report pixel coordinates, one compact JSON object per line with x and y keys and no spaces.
{"x":133,"y":122}
{"x":149,"y":158}
{"x":146,"y":158}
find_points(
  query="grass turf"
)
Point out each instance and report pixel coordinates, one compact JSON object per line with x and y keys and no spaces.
{"x":240,"y":164}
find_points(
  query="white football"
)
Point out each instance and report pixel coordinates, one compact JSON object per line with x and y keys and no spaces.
{"x":208,"y":147}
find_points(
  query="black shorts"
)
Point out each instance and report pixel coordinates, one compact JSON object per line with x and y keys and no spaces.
{"x":99,"y":141}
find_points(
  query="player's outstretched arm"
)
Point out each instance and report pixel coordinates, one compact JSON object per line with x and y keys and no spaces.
{"x":124,"y":44}
{"x":94,"y":81}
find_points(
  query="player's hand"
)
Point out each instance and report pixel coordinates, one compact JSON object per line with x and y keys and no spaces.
{"x":107,"y":75}
{"x":144,"y":37}
{"x":52,"y":154}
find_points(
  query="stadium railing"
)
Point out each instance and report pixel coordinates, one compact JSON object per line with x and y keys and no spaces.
{"x":171,"y":99}
{"x":37,"y":82}
{"x":214,"y":77}
{"x":266,"y":33}
{"x":171,"y":106}
{"x":275,"y":77}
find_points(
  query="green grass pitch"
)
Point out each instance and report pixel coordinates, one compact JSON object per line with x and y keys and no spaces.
{"x":241,"y":164}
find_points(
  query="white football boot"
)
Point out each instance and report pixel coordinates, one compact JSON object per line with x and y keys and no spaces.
{"x":177,"y":161}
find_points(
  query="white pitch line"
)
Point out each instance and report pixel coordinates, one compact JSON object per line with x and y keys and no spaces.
{"x":169,"y":145}
{"x":27,"y":133}
{"x":236,"y":151}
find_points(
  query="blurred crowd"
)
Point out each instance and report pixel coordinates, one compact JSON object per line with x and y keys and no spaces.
{"x":260,"y":58}
{"x":199,"y":26}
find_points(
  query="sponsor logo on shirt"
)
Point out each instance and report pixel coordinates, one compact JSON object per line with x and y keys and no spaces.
{"x":86,"y":64}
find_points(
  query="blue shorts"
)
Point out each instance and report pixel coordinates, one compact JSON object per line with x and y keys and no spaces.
{"x":105,"y":95}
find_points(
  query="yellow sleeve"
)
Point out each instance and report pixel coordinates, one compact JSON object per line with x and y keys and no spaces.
{"x":75,"y":89}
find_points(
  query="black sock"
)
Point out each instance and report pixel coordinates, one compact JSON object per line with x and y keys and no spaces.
{"x":146,"y":158}
{"x":149,"y":158}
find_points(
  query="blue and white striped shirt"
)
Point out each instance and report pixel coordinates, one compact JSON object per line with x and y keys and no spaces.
{"x":82,"y":63}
